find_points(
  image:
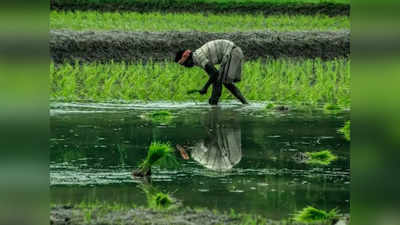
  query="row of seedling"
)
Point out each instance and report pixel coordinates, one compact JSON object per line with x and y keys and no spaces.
{"x":278,"y":80}
{"x":155,"y":21}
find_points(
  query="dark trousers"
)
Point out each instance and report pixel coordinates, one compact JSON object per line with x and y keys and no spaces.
{"x":217,"y":91}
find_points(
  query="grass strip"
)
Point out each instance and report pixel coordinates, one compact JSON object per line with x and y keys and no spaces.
{"x":267,"y":7}
{"x":283,"y":80}
{"x":134,"y":21}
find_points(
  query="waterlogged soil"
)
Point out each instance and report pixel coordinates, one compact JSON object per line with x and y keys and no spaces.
{"x":242,"y":158}
{"x":104,"y":46}
{"x":63,"y":215}
{"x":68,"y":215}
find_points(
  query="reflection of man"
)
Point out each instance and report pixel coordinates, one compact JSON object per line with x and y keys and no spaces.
{"x":221,"y":150}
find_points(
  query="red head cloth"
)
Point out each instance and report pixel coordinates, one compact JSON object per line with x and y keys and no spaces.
{"x":185,"y":55}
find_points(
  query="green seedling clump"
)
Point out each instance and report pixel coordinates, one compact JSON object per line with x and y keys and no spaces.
{"x":346,"y":130}
{"x":159,"y":154}
{"x":162,"y":200}
{"x":311,"y":215}
{"x":157,"y":199}
{"x":320,"y":158}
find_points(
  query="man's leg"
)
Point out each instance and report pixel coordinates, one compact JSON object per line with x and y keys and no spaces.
{"x":216,"y":93}
{"x":236,"y":92}
{"x":234,"y":73}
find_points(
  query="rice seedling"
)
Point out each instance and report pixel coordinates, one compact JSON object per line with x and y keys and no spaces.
{"x":320,"y":158}
{"x":311,"y":215}
{"x":313,"y":82}
{"x":157,"y":199}
{"x":156,"y":21}
{"x":159,"y":154}
{"x":345,"y":130}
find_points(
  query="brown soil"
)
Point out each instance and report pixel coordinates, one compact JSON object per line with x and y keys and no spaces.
{"x":103,"y":46}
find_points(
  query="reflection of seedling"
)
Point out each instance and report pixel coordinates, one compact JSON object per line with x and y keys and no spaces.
{"x":157,"y":199}
{"x":161,"y":117}
{"x":159,"y":154}
{"x":321,"y":158}
{"x":311,"y":215}
{"x":345,"y":130}
{"x":331,"y":107}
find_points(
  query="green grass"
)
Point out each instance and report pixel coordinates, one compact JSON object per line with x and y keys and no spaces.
{"x":308,"y":81}
{"x":311,"y":215}
{"x":345,"y":130}
{"x":320,"y":158}
{"x":133,"y":21}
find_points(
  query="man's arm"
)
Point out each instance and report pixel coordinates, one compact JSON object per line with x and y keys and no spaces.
{"x":213,"y":76}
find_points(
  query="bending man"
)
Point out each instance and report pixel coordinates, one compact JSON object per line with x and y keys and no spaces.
{"x":222,"y":52}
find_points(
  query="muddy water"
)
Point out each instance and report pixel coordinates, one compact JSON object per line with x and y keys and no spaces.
{"x":245,"y":158}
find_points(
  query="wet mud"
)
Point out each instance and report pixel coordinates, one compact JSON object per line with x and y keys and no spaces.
{"x":69,"y":215}
{"x":104,"y":46}
{"x":63,"y":215}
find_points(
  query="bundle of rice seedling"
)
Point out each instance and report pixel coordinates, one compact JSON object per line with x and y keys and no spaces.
{"x":345,"y":130}
{"x":157,"y":199}
{"x":159,"y":154}
{"x":321,"y":158}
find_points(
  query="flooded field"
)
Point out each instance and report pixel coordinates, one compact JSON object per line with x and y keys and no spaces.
{"x":244,"y":158}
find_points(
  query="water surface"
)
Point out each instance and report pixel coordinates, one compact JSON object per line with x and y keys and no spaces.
{"x":241,"y":157}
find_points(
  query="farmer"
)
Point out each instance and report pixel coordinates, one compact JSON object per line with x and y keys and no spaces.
{"x":222,"y":52}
